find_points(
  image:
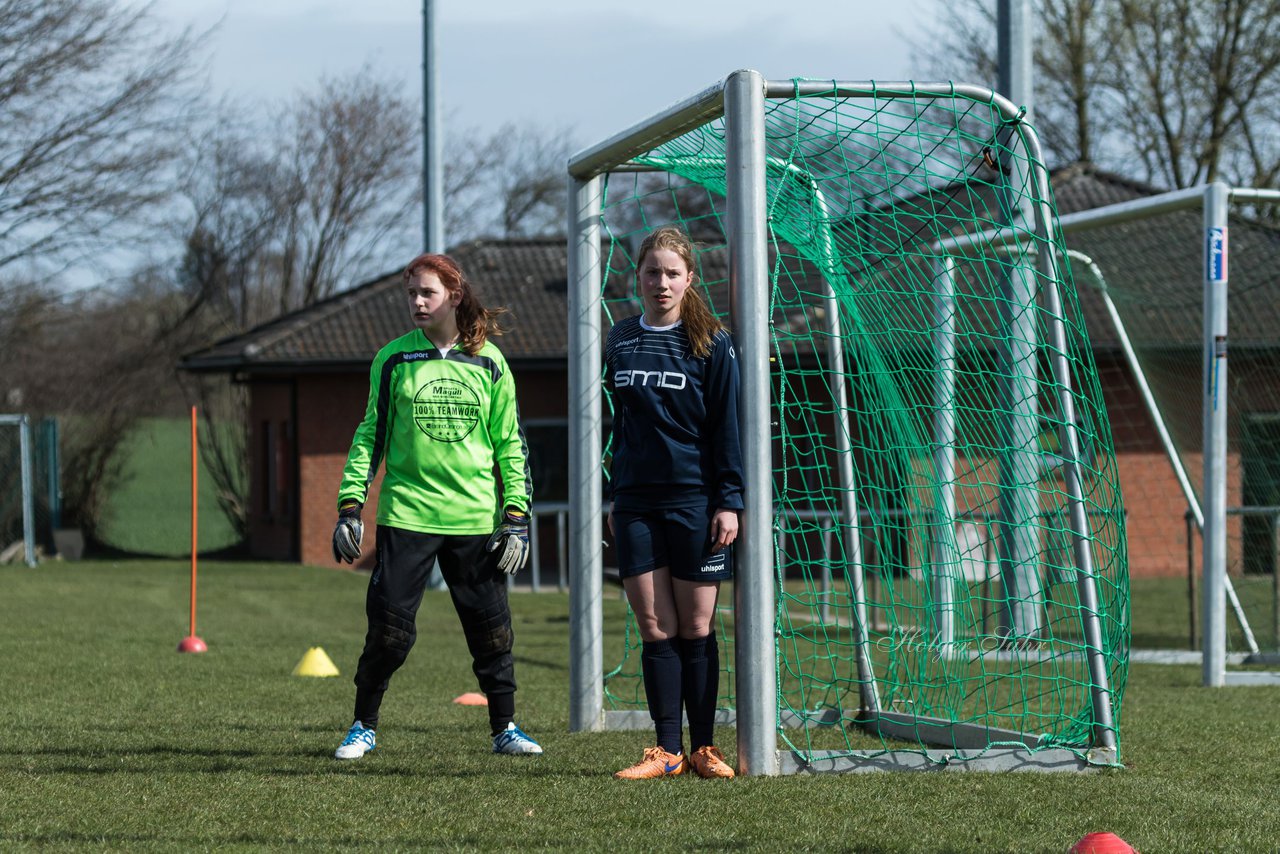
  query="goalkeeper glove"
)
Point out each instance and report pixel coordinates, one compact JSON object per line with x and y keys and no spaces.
{"x":513,"y":537}
{"x":348,"y":533}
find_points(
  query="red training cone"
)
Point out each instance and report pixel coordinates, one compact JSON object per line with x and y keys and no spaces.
{"x":1102,"y":842}
{"x":191,"y":643}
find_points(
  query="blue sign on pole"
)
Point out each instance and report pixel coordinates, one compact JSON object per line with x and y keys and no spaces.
{"x":1215,"y":255}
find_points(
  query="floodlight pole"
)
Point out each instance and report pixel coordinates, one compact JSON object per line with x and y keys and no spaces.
{"x":432,"y":146}
{"x":1014,"y":52}
{"x":586,"y":633}
{"x":1214,"y":543}
{"x":757,"y":678}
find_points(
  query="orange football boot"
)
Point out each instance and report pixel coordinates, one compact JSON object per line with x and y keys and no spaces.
{"x":708,"y":762}
{"x":656,"y":763}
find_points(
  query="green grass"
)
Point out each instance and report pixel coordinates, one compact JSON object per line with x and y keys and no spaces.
{"x":114,"y":741}
{"x":150,"y":514}
{"x":1161,"y":618}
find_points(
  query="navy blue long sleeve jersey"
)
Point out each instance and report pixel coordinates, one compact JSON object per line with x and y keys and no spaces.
{"x":675,"y":419}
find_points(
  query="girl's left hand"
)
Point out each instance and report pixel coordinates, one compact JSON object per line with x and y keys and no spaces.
{"x":724,"y":528}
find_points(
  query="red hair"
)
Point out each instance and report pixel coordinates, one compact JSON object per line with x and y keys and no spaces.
{"x":475,"y":322}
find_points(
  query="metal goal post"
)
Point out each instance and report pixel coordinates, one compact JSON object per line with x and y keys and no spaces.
{"x":740,"y":100}
{"x":1211,"y":511}
{"x":21,"y":424}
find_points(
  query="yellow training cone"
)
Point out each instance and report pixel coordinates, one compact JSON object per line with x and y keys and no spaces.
{"x":315,"y":663}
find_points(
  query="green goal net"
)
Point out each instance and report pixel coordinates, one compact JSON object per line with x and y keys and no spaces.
{"x":934,"y":580}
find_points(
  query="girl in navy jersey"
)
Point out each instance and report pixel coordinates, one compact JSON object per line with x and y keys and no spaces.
{"x":676,"y":483}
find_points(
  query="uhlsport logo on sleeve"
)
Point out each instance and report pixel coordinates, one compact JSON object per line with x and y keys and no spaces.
{"x":446,"y":410}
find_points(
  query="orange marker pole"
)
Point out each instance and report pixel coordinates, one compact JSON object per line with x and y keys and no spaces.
{"x":192,"y":643}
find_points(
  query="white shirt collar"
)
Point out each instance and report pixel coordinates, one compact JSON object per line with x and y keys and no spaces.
{"x":649,"y":328}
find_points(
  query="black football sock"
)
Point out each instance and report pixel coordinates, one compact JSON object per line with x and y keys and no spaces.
{"x":368,"y":702}
{"x":661,"y":665}
{"x":502,"y":711}
{"x":701,"y":663}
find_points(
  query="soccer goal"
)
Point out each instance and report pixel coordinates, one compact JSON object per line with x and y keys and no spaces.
{"x":932,"y":571}
{"x":1159,"y":265}
{"x":17,"y":484}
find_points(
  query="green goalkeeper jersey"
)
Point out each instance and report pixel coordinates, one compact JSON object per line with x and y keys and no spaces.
{"x":448,"y":428}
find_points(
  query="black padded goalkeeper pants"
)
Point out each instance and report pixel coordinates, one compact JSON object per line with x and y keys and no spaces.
{"x":479,"y":592}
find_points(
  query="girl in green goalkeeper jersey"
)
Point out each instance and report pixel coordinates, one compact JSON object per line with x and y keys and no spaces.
{"x":442,"y":416}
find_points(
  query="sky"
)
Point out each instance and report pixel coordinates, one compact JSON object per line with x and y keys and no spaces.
{"x":591,"y":67}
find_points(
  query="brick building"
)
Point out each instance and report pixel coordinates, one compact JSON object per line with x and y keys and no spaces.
{"x":307,"y":371}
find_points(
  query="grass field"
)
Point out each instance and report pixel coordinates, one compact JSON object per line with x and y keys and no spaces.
{"x":115,"y":741}
{"x":151,"y":512}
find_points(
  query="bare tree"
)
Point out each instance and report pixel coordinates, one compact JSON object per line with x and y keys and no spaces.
{"x":25,"y":309}
{"x":1189,"y":75}
{"x":231,"y":186}
{"x":1183,"y":91}
{"x":109,"y":371}
{"x":1073,"y":58}
{"x":284,"y":214}
{"x":223,"y":407}
{"x":349,"y":178}
{"x":510,"y":183}
{"x":92,"y":96}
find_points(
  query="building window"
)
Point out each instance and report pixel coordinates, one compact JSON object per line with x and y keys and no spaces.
{"x":548,"y":441}
{"x":1259,"y":489}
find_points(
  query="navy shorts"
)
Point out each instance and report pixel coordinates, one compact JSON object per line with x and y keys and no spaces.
{"x":679,"y":538}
